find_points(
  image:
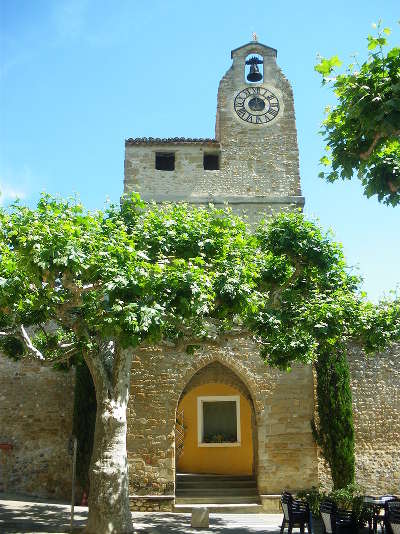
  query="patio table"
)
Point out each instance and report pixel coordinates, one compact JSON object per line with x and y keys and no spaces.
{"x":376,"y":504}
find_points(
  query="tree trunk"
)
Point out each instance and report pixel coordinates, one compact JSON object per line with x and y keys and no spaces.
{"x":109,"y":511}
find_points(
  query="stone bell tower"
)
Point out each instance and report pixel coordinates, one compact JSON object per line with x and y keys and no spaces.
{"x":253,"y":162}
{"x":256,"y":127}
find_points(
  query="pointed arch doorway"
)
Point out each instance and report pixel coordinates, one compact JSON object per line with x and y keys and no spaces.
{"x":216,"y":425}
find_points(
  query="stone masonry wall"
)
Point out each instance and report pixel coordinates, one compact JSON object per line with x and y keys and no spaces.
{"x":189,"y":182}
{"x":375,"y":384}
{"x":36,"y":405}
{"x":283,"y":403}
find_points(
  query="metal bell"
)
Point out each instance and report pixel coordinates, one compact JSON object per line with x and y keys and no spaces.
{"x":254,"y":74}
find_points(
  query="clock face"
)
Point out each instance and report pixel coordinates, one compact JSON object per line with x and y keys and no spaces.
{"x":256,"y":105}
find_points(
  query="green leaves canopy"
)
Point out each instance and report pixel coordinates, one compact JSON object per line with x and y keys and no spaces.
{"x":362,"y":130}
{"x":137,"y":273}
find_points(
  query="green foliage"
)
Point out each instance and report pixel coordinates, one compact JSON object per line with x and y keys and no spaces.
{"x":334,"y":432}
{"x":143,"y":273}
{"x":12,"y":347}
{"x":362,"y":131}
{"x":314,"y":497}
{"x":84,"y":419}
{"x":349,"y":497}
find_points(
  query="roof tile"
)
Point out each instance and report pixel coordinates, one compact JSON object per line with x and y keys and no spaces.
{"x":168,"y":140}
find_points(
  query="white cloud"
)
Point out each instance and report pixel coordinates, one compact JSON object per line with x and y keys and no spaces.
{"x":14,"y":184}
{"x":9,"y":193}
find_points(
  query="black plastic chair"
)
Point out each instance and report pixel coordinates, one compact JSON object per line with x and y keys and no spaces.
{"x":337,"y":521}
{"x":296,"y":514}
{"x":392,"y":514}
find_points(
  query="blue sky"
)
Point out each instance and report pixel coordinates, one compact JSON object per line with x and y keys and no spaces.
{"x":77,"y":77}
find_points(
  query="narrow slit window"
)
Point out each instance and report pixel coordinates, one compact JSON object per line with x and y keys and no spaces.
{"x":211,"y":162}
{"x":165,"y":161}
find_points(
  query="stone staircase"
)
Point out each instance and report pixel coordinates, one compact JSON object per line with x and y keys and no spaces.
{"x":219,"y":493}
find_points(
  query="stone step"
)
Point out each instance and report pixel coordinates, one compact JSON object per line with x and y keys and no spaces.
{"x":220,"y":499}
{"x":216,"y":489}
{"x":220,"y":508}
{"x":189,"y":492}
{"x":210,"y":477}
{"x":218,"y":484}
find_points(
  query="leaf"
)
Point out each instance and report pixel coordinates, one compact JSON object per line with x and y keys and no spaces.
{"x":326,"y":66}
{"x":325,"y":161}
{"x":372,"y":42}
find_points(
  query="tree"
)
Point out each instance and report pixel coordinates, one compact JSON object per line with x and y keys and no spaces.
{"x":362,"y":130}
{"x":96,"y":285}
{"x":310,"y":310}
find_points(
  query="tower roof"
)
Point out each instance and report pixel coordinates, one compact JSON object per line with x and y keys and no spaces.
{"x":255,"y":44}
{"x":170,"y":141}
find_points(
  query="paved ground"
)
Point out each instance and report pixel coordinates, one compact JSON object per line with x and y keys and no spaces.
{"x":32,"y":516}
{"x":21,"y":515}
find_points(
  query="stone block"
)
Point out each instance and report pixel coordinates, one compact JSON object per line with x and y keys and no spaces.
{"x":200,"y":518}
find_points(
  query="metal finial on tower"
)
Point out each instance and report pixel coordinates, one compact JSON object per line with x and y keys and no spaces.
{"x":254,"y":36}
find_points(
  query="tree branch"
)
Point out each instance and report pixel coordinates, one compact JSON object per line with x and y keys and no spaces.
{"x":393,"y":188}
{"x":365,"y":155}
{"x":276,"y":295}
{"x":29,"y":345}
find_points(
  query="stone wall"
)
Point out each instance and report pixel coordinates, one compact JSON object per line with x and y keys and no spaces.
{"x":36,"y":405}
{"x":283,"y":405}
{"x":191,"y":183}
{"x":375,"y":384}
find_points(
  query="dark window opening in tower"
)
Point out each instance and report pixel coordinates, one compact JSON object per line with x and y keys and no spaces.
{"x":254,"y":69}
{"x":211,"y":162}
{"x":165,"y":161}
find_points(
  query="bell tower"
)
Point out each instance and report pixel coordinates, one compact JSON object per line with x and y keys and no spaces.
{"x":253,"y":162}
{"x":256,"y":127}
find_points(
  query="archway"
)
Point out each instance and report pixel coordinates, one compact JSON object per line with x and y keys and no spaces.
{"x":216,"y":424}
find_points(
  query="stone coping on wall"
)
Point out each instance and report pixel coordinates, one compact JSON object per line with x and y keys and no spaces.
{"x":256,"y":44}
{"x":225,"y":199}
